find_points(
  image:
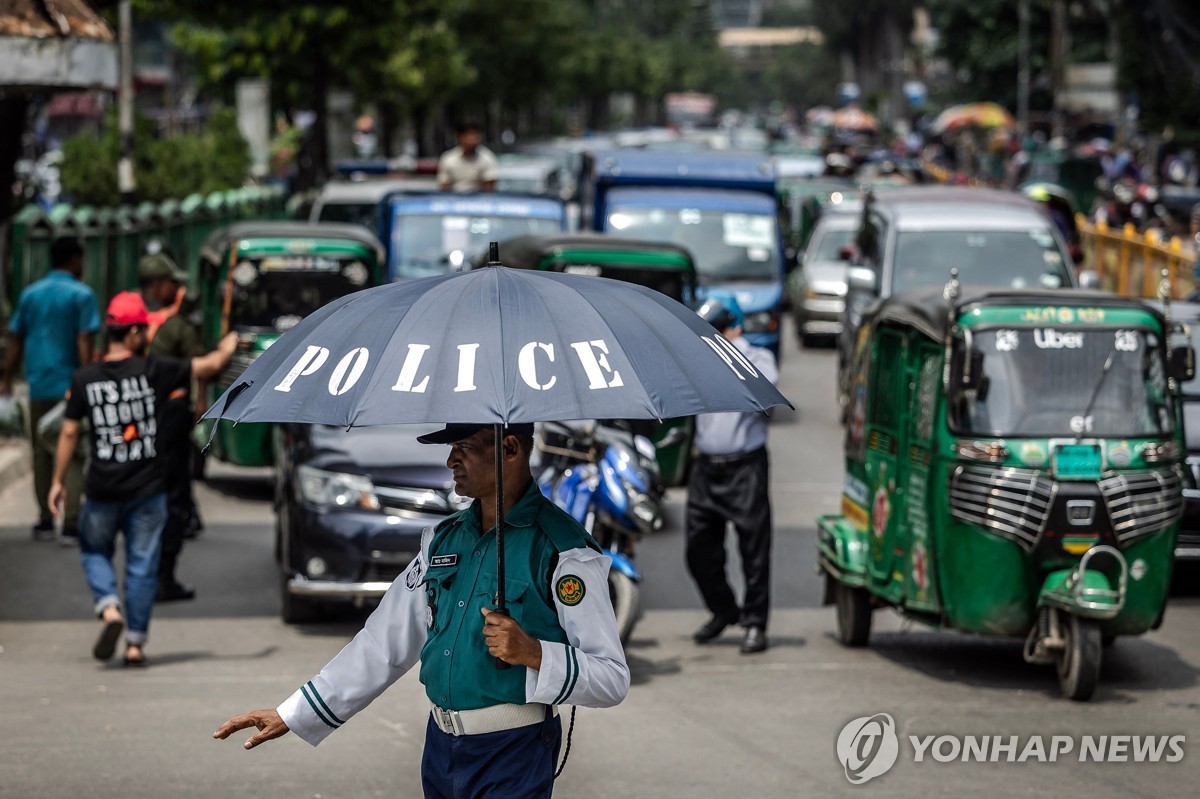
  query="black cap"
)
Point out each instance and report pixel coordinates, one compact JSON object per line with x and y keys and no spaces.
{"x":457,"y":432}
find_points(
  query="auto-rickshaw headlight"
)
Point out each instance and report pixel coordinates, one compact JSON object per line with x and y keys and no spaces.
{"x":245,"y":273}
{"x":355,"y":273}
{"x":990,"y":451}
{"x":1160,"y":452}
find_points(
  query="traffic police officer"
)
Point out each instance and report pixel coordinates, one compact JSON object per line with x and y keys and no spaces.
{"x":560,"y":639}
{"x":728,"y":484}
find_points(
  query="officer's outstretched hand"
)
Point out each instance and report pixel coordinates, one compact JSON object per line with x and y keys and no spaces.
{"x":270,"y":726}
{"x":507,"y":641}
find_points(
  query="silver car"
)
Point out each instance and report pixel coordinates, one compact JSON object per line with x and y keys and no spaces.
{"x":817,"y":290}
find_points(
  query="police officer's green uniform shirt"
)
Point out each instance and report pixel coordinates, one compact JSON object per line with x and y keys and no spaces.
{"x":557,"y":590}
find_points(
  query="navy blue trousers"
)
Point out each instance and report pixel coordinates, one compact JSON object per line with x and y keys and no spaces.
{"x":511,"y":763}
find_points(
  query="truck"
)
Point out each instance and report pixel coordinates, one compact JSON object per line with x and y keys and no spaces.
{"x":720,"y":206}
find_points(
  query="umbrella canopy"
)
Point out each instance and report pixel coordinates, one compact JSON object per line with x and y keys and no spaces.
{"x":976,"y":115}
{"x":852,"y":118}
{"x":496,"y":345}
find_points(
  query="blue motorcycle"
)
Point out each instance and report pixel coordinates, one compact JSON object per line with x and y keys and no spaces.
{"x":607,"y":478}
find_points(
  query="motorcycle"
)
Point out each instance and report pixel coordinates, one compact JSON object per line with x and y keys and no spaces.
{"x":607,"y":478}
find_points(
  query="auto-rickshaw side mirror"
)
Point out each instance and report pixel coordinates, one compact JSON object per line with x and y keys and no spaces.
{"x":674,"y":437}
{"x":1181,"y":361}
{"x":861,"y":280}
{"x":1089,"y":279}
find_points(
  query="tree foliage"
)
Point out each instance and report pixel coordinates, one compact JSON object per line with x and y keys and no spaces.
{"x":216,"y":158}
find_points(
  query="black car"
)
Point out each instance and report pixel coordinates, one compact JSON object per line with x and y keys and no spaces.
{"x":350,"y":510}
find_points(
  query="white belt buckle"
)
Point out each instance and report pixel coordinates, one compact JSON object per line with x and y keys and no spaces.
{"x":451,"y":721}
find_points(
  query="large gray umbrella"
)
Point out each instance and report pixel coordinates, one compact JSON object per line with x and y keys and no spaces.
{"x":497,"y":345}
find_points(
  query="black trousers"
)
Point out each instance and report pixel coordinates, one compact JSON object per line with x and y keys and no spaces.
{"x":735,"y":492}
{"x":175,"y":451}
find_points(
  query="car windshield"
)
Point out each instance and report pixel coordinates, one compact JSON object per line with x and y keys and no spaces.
{"x":424,"y":245}
{"x":354,"y":213}
{"x":827,"y":245}
{"x":1011,"y":258}
{"x":276,"y":292}
{"x":725,"y":246}
{"x":1039,"y":382}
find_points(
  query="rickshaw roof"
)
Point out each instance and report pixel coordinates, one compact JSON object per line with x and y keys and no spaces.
{"x":219,"y":241}
{"x":527,"y":252}
{"x":929,"y":312}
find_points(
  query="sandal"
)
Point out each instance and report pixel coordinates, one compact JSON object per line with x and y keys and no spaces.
{"x":106,"y":644}
{"x":135,"y":662}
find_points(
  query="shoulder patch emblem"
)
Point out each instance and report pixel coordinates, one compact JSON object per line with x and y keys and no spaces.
{"x":415,"y":572}
{"x":570,"y":589}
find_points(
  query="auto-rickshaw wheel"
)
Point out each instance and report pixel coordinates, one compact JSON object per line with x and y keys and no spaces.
{"x":1079,"y":664}
{"x":853,"y":614}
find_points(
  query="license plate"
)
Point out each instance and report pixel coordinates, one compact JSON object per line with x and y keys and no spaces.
{"x":1078,"y":462}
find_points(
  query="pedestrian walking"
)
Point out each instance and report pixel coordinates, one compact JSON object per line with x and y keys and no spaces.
{"x":122,"y":398}
{"x":470,"y":166}
{"x":52,"y":329}
{"x":172,"y":336}
{"x":728,"y":485}
{"x":491,"y":731}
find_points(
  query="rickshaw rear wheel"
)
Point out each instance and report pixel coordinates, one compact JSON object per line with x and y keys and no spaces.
{"x":1079,"y":664}
{"x":853,"y":614}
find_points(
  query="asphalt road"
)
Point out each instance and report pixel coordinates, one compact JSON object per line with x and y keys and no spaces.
{"x":699,"y":721}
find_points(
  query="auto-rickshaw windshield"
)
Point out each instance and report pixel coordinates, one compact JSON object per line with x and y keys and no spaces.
{"x":426,"y":245}
{"x":1039,"y":382}
{"x":268,"y":297}
{"x":725,"y":246}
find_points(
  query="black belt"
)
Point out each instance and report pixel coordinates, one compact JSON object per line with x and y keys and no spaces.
{"x":725,"y":460}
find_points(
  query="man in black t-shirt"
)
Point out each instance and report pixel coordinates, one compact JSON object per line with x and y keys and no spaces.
{"x":122,"y":399}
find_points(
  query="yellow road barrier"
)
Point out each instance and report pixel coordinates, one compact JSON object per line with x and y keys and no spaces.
{"x":1131,"y":263}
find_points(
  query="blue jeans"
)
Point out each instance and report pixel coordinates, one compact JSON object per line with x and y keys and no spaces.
{"x":142,"y":520}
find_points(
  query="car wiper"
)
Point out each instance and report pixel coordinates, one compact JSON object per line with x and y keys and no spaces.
{"x":1108,"y":362}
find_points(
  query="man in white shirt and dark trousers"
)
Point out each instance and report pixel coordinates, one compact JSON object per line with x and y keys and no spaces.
{"x":728,"y":484}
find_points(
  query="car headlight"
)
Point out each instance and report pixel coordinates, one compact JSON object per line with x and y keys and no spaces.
{"x":761,"y":322}
{"x":335,"y":489}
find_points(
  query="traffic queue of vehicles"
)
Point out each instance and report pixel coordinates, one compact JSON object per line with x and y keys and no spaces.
{"x":986,"y":501}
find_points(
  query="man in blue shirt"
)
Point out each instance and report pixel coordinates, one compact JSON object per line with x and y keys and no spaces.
{"x":52,"y":327}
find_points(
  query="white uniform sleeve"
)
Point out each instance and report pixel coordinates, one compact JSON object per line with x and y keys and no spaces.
{"x":387,"y":646}
{"x":590,"y":669}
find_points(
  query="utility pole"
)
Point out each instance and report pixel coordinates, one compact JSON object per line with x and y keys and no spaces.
{"x":1058,"y":59}
{"x":1023,"y":68}
{"x":125,"y":179}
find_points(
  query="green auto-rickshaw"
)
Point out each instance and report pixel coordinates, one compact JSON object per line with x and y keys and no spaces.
{"x":261,"y":278}
{"x":666,"y":268}
{"x":1013,"y":467}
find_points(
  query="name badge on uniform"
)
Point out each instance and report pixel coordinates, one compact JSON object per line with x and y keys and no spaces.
{"x":443,"y":560}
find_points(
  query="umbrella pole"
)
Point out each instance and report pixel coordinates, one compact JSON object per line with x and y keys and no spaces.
{"x":501,"y":604}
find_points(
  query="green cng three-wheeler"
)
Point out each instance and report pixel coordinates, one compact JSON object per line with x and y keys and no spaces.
{"x":666,"y":268}
{"x":259,"y":279}
{"x":1013,"y":467}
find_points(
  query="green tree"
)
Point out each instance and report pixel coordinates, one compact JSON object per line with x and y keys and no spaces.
{"x":214,"y":159}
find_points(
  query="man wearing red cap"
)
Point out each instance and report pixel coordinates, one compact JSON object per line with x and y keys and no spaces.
{"x":122,"y":398}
